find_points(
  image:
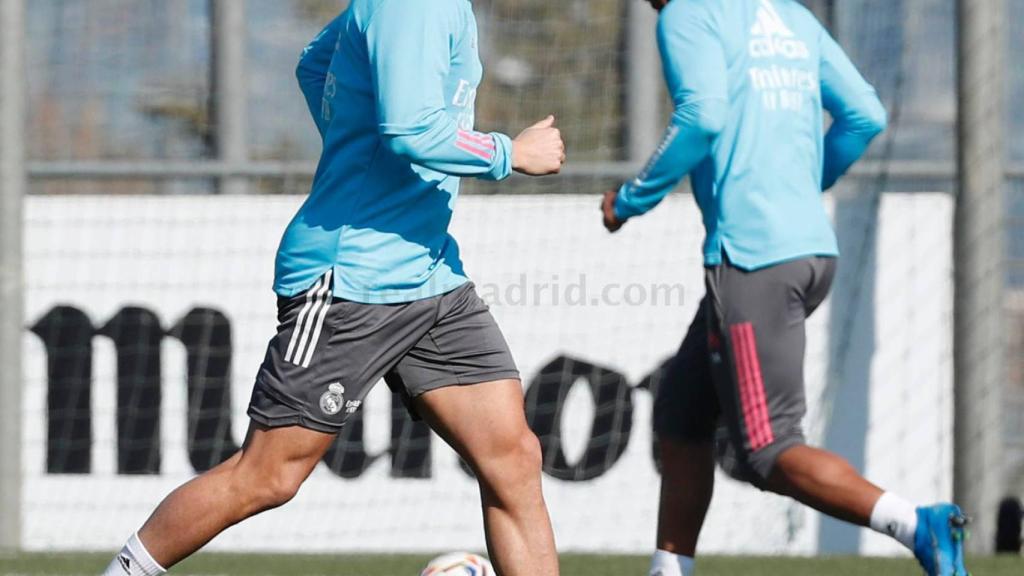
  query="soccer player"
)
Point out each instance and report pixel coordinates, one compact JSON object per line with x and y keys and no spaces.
{"x":749,"y":79}
{"x":370,"y":285}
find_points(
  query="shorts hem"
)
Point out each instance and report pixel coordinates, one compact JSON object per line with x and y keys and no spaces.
{"x":763,"y":461}
{"x":300,"y":420}
{"x":294,"y":417}
{"x":476,"y":378}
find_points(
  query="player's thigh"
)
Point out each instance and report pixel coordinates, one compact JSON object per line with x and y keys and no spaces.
{"x":686,"y":406}
{"x":462,"y":379}
{"x":282,"y":456}
{"x":760,"y":317}
{"x":482,"y":422}
{"x":686,"y":463}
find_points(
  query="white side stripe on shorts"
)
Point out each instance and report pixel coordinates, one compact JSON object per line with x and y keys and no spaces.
{"x":318,"y":300}
{"x":298,"y":322}
{"x":319,"y":326}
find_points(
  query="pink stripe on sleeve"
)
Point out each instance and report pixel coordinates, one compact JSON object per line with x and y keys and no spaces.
{"x":479,"y":138}
{"x":479,"y":153}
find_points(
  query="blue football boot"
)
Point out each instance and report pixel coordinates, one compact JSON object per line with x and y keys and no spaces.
{"x":939,"y":540}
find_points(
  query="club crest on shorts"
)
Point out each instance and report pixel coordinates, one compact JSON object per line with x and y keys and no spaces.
{"x":332,"y":401}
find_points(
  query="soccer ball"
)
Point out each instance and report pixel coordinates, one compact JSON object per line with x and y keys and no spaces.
{"x":458,"y":564}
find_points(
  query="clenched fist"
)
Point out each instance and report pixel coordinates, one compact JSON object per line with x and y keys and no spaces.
{"x":539,"y":150}
{"x":611,"y":221}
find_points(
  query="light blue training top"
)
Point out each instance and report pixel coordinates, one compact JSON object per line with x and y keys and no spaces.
{"x":749,"y":79}
{"x":392,"y":86}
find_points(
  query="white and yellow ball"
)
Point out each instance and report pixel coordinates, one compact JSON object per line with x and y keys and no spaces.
{"x":458,"y":564}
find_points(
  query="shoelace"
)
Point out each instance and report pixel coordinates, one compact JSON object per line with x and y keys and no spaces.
{"x":958,"y":529}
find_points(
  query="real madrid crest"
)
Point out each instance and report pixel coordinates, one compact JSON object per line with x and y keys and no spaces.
{"x":332,"y":401}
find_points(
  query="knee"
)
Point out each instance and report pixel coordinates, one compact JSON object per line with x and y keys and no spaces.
{"x":268,"y":491}
{"x":524,"y":455}
{"x":827,"y":470}
{"x":759,"y":468}
{"x":281,"y":490}
{"x":531,"y":458}
{"x":805,"y":465}
{"x":516,"y":462}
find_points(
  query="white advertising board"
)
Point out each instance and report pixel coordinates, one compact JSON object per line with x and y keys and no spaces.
{"x":173,"y":294}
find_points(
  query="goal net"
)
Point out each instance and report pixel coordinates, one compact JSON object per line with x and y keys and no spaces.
{"x":149,"y":307}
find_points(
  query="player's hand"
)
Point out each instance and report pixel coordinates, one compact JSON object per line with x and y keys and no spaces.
{"x":539,"y":150}
{"x":611,"y":221}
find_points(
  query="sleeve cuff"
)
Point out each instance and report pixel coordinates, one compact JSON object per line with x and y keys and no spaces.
{"x":502,"y":166}
{"x":624,"y":210}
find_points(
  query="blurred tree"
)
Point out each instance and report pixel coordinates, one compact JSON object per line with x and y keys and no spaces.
{"x":319,"y":11}
{"x":563,"y":58}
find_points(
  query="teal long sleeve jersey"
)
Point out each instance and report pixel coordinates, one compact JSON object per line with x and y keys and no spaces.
{"x":391,"y":85}
{"x":749,"y":80}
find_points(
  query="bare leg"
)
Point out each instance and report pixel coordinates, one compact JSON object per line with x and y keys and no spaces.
{"x":825,"y":482}
{"x":687,"y":484}
{"x":264,"y":474}
{"x":486,"y":425}
{"x":819,"y":479}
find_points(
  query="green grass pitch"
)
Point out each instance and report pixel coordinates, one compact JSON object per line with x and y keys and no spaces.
{"x":572,"y":565}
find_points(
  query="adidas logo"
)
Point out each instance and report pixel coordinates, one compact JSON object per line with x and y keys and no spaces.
{"x":771,"y":37}
{"x":125,"y":563}
{"x":769,"y":23}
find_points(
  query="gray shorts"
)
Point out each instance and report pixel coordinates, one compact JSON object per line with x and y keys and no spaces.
{"x":329,"y":352}
{"x":741,"y":366}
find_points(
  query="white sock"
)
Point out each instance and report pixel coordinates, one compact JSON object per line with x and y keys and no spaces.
{"x":668,"y":564}
{"x":134,"y":560}
{"x":894,"y":516}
